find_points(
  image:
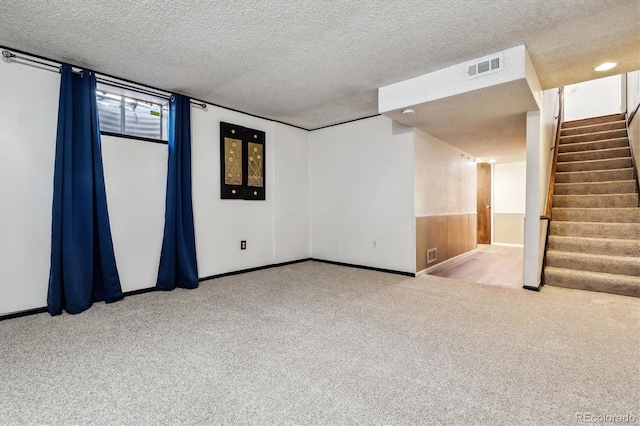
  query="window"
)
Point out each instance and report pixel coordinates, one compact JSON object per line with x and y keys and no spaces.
{"x":129,"y":113}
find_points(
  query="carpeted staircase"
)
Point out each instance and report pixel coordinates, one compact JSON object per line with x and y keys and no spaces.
{"x":594,"y":236}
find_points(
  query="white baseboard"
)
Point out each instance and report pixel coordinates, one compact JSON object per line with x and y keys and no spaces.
{"x":508,"y":245}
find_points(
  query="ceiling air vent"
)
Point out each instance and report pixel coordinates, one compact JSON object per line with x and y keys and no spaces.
{"x":484,"y":66}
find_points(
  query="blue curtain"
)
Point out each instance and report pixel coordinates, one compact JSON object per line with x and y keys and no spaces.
{"x":83,"y":266}
{"x":178,"y":265}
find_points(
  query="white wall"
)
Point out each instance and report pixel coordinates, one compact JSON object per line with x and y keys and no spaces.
{"x":633,"y":91}
{"x":509,"y":184}
{"x":276,"y":230}
{"x":28,"y":122}
{"x":540,"y":140}
{"x":221,"y":224}
{"x":509,"y":187}
{"x":445,"y":178}
{"x":532,"y":225}
{"x":135,"y":175}
{"x":291,"y":220}
{"x":593,"y":98}
{"x":361,"y":187}
{"x":533,"y":81}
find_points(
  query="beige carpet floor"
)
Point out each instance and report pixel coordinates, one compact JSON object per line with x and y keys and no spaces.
{"x":487,"y":264}
{"x":313,"y":343}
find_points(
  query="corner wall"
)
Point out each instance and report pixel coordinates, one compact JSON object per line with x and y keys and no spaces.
{"x":361,"y":192}
{"x":445,"y":200}
{"x":276,"y":229}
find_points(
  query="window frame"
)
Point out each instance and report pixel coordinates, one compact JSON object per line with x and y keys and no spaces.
{"x":124,"y":94}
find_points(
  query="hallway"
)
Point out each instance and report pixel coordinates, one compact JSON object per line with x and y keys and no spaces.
{"x":488,"y":264}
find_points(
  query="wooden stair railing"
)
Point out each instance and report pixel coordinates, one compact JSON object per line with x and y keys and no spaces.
{"x":552,"y":179}
{"x":556,"y":146}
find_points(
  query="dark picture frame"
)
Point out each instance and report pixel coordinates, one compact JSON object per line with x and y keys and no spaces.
{"x":242,"y":163}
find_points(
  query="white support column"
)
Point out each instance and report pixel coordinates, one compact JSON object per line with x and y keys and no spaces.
{"x":533,"y":238}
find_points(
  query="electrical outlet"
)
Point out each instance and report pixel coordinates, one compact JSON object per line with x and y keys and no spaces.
{"x":243,"y":245}
{"x":375,"y":244}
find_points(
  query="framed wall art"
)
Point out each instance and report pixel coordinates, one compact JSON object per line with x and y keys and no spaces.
{"x":242,"y":163}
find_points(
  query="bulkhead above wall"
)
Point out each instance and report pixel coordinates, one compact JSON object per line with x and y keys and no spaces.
{"x":478,"y":106}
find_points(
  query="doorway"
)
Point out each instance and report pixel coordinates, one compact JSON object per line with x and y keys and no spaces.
{"x":498,"y":258}
{"x":484,"y":203}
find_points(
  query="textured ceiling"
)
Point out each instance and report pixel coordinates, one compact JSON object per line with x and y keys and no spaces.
{"x":316,"y":63}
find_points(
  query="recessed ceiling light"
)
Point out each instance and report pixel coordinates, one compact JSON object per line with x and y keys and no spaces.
{"x":492,"y":161}
{"x":606,"y":66}
{"x":408,"y":111}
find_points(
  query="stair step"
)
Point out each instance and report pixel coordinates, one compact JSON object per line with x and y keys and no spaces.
{"x":596,"y":136}
{"x":594,"y":176}
{"x":623,"y":265}
{"x":594,"y":145}
{"x":595,"y":245}
{"x":613,"y":215}
{"x":586,"y":188}
{"x":593,"y":120}
{"x":592,"y":128}
{"x":594,"y":234}
{"x":622,"y":231}
{"x":596,"y":201}
{"x":590,"y":165}
{"x":595,"y":281}
{"x":598,"y":154}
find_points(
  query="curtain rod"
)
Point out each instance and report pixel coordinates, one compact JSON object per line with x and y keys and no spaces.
{"x":228,"y":108}
{"x":10,"y":57}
